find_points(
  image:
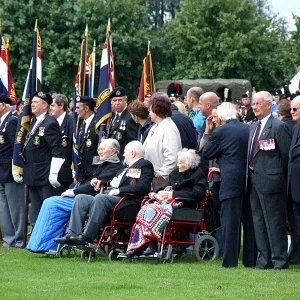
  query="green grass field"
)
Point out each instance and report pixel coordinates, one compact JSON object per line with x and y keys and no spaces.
{"x":24,"y":275}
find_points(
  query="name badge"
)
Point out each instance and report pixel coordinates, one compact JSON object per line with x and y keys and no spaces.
{"x":133,"y":173}
{"x":267,"y":144}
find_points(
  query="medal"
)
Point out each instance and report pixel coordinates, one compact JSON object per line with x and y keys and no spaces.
{"x":88,"y":143}
{"x":64,"y":141}
{"x":2,"y":141}
{"x":118,"y":135}
{"x":133,"y":182}
{"x":41,"y":131}
{"x":36,"y":140}
{"x":134,"y":173}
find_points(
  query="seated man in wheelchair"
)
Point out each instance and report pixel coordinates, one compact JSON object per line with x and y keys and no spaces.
{"x":134,"y":178}
{"x":187,"y":182}
{"x":56,"y":210}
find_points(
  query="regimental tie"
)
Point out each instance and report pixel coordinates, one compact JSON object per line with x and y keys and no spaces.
{"x":254,"y":145}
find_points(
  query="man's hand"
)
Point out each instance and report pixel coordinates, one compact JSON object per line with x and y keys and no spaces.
{"x":17,"y":177}
{"x":114,"y":192}
{"x":68,"y":193}
{"x":158,"y":176}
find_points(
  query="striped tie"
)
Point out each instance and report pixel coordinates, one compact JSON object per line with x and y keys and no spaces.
{"x":254,"y":145}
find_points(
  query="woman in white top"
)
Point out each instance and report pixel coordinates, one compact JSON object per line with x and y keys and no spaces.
{"x":163,"y":142}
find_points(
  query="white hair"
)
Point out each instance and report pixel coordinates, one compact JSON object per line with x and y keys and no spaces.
{"x":226,"y":111}
{"x":111,"y":143}
{"x":137,"y":147}
{"x":190,"y":158}
{"x":265,"y":95}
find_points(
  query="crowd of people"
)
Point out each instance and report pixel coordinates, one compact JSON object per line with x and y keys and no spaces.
{"x":166,"y":140}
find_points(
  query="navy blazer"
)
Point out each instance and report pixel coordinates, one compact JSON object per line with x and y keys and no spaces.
{"x":65,"y":172}
{"x":271,"y":166}
{"x":137,"y":186}
{"x":294,"y":166}
{"x":228,"y":144}
{"x":7,"y":139}
{"x":44,"y":144}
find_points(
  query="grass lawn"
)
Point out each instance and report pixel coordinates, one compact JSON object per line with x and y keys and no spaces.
{"x":24,"y":275}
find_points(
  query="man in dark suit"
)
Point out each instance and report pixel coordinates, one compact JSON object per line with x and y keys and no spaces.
{"x":228,"y":144}
{"x":135,"y":179}
{"x":87,"y":137}
{"x":12,"y":194}
{"x":43,"y":154}
{"x":122,"y":126}
{"x":268,"y":153}
{"x":293,"y":182}
{"x":59,"y":110}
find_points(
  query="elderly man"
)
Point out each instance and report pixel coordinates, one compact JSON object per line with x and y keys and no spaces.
{"x":12,"y":194}
{"x":192,"y":102}
{"x":228,"y":144}
{"x":122,"y":126}
{"x":58,"y":110}
{"x":87,"y":137}
{"x":268,"y":153}
{"x":294,"y":175}
{"x":135,"y":178}
{"x":43,"y":154}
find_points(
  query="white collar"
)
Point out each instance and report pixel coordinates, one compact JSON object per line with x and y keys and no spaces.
{"x":60,"y":119}
{"x":4,"y":116}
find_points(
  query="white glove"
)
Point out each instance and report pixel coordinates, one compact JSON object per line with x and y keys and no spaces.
{"x":17,"y":177}
{"x":56,"y":164}
{"x":114,"y":192}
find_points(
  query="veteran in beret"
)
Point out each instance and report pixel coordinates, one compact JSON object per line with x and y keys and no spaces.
{"x":87,"y":137}
{"x":12,"y":194}
{"x":43,"y":154}
{"x":122,"y":126}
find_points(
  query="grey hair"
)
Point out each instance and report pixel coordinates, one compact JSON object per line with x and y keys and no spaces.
{"x":137,"y":147}
{"x":61,"y":100}
{"x":265,"y":95}
{"x":226,"y":111}
{"x":111,"y":143}
{"x":161,"y":94}
{"x":190,"y":157}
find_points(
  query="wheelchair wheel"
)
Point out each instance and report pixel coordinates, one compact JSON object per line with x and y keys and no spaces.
{"x":88,"y":255}
{"x":206,"y":248}
{"x":113,"y":254}
{"x":67,"y":251}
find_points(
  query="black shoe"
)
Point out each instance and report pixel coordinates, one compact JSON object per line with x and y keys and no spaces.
{"x":63,"y":239}
{"x":134,"y":253}
{"x":80,"y":240}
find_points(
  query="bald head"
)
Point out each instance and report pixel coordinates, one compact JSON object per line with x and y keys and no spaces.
{"x":193,"y":96}
{"x":295,"y":109}
{"x":207,"y":102}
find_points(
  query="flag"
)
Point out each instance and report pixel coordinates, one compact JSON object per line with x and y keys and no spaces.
{"x":6,"y":80}
{"x":81,"y":89}
{"x":91,"y":69}
{"x":106,"y":85}
{"x":147,"y":78}
{"x":33,"y":84}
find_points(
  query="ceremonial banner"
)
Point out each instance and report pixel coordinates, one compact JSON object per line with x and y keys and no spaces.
{"x":91,"y":69}
{"x":147,"y":79}
{"x":33,"y":84}
{"x":106,"y":85}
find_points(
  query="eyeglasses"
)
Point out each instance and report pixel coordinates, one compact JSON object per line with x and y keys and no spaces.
{"x":294,"y":109}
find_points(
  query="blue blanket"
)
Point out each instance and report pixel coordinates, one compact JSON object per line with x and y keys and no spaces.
{"x":54,"y":214}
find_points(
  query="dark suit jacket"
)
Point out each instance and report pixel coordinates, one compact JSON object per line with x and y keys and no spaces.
{"x":270,"y":167}
{"x":290,"y":123}
{"x":185,"y":127}
{"x":124,"y":130}
{"x":189,"y":184}
{"x":105,"y":172}
{"x":65,"y":172}
{"x":294,"y":166}
{"x":44,"y":144}
{"x":7,"y":139}
{"x":228,"y":144}
{"x":142,"y":184}
{"x":87,"y":148}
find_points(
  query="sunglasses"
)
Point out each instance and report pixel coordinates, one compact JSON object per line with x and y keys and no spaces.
{"x":294,"y":109}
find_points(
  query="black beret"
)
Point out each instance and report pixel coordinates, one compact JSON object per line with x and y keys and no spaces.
{"x":86,"y":100}
{"x":119,"y":91}
{"x":44,"y":96}
{"x":5,"y":99}
{"x":245,"y":96}
{"x":277,"y":92}
{"x":174,"y":89}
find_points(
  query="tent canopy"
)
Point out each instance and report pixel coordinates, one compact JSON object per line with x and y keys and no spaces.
{"x":238,"y":87}
{"x":295,"y":83}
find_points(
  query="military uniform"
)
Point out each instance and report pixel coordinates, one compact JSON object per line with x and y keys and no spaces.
{"x":12,"y":194}
{"x":248,"y":114}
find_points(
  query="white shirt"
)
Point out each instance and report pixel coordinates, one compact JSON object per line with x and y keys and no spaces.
{"x":60,"y":119}
{"x":88,"y":122}
{"x":263,"y":123}
{"x":38,"y":119}
{"x":3,"y":117}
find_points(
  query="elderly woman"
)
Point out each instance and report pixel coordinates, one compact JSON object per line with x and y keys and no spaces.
{"x":163,"y":142}
{"x":228,"y":144}
{"x":140,"y":114}
{"x":55,"y":211}
{"x":187,"y":181}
